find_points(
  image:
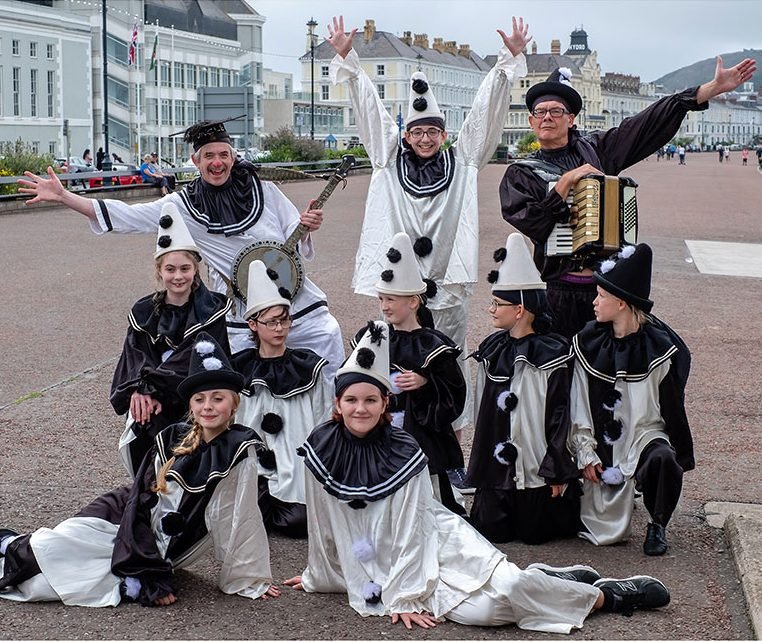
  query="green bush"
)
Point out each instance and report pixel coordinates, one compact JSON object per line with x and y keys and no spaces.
{"x":17,"y":158}
{"x":528,"y":144}
{"x":285,"y":147}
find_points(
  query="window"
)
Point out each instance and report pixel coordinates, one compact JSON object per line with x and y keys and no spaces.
{"x":179,"y":79}
{"x":214,"y":77}
{"x":33,"y":91}
{"x":52,"y":148}
{"x":165,"y":73}
{"x":225,"y":77}
{"x":190,"y":76}
{"x":166,"y":115}
{"x":1,"y":90}
{"x":381,"y":91}
{"x":51,"y":51}
{"x":380,"y":70}
{"x":17,"y":91}
{"x":35,"y":145}
{"x":324,"y":92}
{"x":324,"y":71}
{"x":352,"y":121}
{"x":152,"y":111}
{"x":118,"y":132}
{"x":32,"y":49}
{"x":15,"y":45}
{"x":116,"y":50}
{"x":118,"y":92}
{"x":179,"y":113}
{"x":235,"y":81}
{"x":203,"y":77}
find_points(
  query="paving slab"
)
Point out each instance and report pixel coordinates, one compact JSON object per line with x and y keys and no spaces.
{"x":727,"y":259}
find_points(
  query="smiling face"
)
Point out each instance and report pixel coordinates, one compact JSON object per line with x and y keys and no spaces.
{"x":504,"y":313}
{"x":361,"y":406}
{"x":425,"y":146}
{"x":213,"y":410}
{"x":176,"y":272}
{"x":552,"y":132}
{"x":398,"y":310}
{"x":214,"y":162}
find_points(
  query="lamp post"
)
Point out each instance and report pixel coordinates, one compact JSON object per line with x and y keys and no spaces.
{"x":621,"y":113}
{"x":106,"y":164}
{"x":311,"y":33}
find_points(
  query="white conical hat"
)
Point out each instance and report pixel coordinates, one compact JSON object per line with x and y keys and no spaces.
{"x":371,"y":354}
{"x":173,"y":233}
{"x":261,"y":291}
{"x":401,"y":275}
{"x":517,"y":270}
{"x":422,"y":103}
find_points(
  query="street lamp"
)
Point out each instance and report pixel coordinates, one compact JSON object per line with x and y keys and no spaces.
{"x":621,"y":113}
{"x":311,"y":33}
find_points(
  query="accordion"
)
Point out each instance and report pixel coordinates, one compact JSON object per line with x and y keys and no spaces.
{"x":604,"y":217}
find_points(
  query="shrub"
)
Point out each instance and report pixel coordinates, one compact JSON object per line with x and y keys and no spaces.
{"x":17,"y":158}
{"x":528,"y":144}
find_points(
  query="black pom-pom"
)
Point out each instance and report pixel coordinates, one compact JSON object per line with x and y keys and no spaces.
{"x":387,"y":275}
{"x":612,"y":430}
{"x":423,"y":246}
{"x":431,"y":288}
{"x":173,"y":523}
{"x":358,"y":504}
{"x":506,"y":452}
{"x":272,"y":274}
{"x":393,"y":255}
{"x":164,"y":241}
{"x":365,"y":358}
{"x":511,"y":401}
{"x":376,"y":333}
{"x":500,"y":255}
{"x":286,"y":294}
{"x":301,"y":451}
{"x":493,"y":276}
{"x":165,"y":221}
{"x":611,"y":397}
{"x":267,"y":459}
{"x":372,"y":593}
{"x":272,"y":424}
{"x":420,"y":104}
{"x":420,"y":86}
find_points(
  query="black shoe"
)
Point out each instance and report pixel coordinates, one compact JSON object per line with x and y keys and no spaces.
{"x":576,"y":573}
{"x":637,"y":592}
{"x":656,"y":540}
{"x":457,"y":477}
{"x":6,"y":532}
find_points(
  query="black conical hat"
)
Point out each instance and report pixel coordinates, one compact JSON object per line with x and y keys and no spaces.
{"x":628,"y":275}
{"x":210,"y":369}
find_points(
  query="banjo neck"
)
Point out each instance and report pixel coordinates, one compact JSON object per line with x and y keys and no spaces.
{"x":339,"y":176}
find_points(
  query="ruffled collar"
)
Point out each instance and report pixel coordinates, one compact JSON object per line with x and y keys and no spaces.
{"x":500,"y":352}
{"x":362,"y":470}
{"x":415,"y":349}
{"x":211,"y":461}
{"x":172,"y":324}
{"x":421,"y":177}
{"x":231,"y":208}
{"x":631,"y":358}
{"x":297,"y":371}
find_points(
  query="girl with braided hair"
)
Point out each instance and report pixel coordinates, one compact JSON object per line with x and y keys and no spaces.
{"x":196,"y":489}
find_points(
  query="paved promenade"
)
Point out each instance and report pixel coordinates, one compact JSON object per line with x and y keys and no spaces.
{"x":66,"y":294}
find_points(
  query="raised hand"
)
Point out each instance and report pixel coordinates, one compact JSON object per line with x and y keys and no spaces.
{"x":50,"y":189}
{"x":339,"y":40}
{"x":518,"y":39}
{"x":726,"y":79}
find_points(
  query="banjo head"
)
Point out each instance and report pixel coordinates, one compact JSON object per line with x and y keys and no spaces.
{"x":288,"y":268}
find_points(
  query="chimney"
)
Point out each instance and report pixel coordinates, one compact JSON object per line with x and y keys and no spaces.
{"x":555,"y":47}
{"x":421,"y":40}
{"x":370,"y":30}
{"x":451,"y":47}
{"x":407,"y":38}
{"x":438,"y":45}
{"x":465,"y":51}
{"x":534,"y":48}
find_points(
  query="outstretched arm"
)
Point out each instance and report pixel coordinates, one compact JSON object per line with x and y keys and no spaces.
{"x":726,"y":79}
{"x":339,"y":40}
{"x":518,"y":39}
{"x":51,"y":190}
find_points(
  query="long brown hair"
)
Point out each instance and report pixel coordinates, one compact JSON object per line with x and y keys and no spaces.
{"x":161,"y":294}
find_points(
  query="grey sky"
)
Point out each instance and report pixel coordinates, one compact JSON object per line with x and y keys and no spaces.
{"x":643,"y":37}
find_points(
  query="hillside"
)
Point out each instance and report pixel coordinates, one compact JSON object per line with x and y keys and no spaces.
{"x":703,"y":70}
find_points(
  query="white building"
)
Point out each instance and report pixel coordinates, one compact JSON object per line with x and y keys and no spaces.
{"x":623,"y":96}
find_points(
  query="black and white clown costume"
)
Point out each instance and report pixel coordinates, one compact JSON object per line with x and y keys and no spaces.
{"x":128,"y":542}
{"x":377,"y":533}
{"x":283,"y":398}
{"x":157,"y":350}
{"x":627,"y":410}
{"x":223,"y":221}
{"x":433,"y":200}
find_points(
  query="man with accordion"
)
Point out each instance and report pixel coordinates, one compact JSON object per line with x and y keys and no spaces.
{"x":534,"y":192}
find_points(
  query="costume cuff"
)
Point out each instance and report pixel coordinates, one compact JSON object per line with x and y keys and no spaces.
{"x":344,"y":69}
{"x":512,"y":66}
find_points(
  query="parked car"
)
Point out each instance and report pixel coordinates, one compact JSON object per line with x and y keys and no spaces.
{"x":121,"y":180}
{"x":74,"y":165}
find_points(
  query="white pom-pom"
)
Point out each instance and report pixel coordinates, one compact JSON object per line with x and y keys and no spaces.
{"x":205,"y":347}
{"x":497,"y":453}
{"x":212,"y":363}
{"x":132,"y":587}
{"x":393,"y":380}
{"x":612,"y":476}
{"x":363,"y":550}
{"x":371,"y":592}
{"x":627,"y":251}
{"x":502,"y":399}
{"x":565,"y":75}
{"x":398,"y":419}
{"x":607,"y":266}
{"x":617,"y":405}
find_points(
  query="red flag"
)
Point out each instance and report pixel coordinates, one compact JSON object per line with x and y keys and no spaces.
{"x":133,"y":46}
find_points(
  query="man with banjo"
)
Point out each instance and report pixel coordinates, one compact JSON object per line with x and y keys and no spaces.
{"x":533,"y":193}
{"x":227,"y":209}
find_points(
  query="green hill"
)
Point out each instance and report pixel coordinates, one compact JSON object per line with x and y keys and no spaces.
{"x":703,"y":70}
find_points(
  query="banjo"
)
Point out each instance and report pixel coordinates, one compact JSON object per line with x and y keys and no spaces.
{"x":283,"y":258}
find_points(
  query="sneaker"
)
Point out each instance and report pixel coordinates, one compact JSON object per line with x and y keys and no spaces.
{"x":576,"y":573}
{"x":656,"y":540}
{"x":457,"y":477}
{"x":636,"y":592}
{"x":6,"y":532}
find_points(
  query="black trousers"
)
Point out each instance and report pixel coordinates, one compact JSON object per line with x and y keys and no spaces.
{"x":660,"y":478}
{"x":20,"y":563}
{"x":281,"y":517}
{"x":571,"y":305}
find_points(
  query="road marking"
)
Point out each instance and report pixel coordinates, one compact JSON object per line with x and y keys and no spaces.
{"x":728,"y":259}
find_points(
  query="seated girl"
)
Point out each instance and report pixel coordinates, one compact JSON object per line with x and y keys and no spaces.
{"x":195,"y":490}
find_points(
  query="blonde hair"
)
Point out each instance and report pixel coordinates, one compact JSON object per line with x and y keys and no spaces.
{"x":161,"y":293}
{"x":188,"y":445}
{"x":640,"y":316}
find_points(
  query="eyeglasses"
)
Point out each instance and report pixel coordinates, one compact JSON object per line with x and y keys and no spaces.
{"x":555,"y":112}
{"x":271,"y":324}
{"x":432,"y":133}
{"x":494,"y":305}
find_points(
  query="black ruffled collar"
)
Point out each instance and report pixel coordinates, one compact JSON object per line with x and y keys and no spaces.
{"x":500,"y":352}
{"x":297,"y":371}
{"x":362,"y":470}
{"x":421,"y":177}
{"x":210,"y":462}
{"x":172,"y":324}
{"x":231,"y":208}
{"x":631,"y":358}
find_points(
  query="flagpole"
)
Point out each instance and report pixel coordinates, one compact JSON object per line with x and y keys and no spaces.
{"x":138,"y":95}
{"x":171,"y":86}
{"x":157,"y":66}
